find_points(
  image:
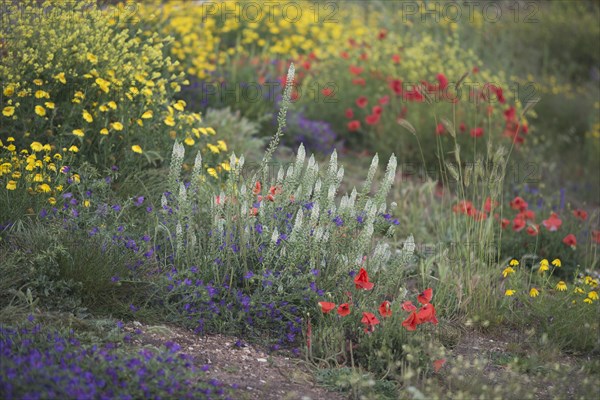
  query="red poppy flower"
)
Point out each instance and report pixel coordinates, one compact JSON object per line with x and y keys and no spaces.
{"x":254,"y":212}
{"x":218,"y":199}
{"x":306,"y":65}
{"x":354,"y":70}
{"x":596,"y":236}
{"x":475,"y":69}
{"x":524,"y":129}
{"x":349,"y":113}
{"x":518,"y":224}
{"x":462,"y":127}
{"x":427,"y":314}
{"x":396,"y":86}
{"x":257,"y":188}
{"x":326,"y":306}
{"x":438,"y":364}
{"x":408,"y":306}
{"x":385,"y":309}
{"x":396,"y":58}
{"x":370,"y":320}
{"x":442,"y":80}
{"x":479,"y":215}
{"x":581,"y":214}
{"x":518,"y":204}
{"x":489,"y":205}
{"x":500,"y":95}
{"x":527,"y":215}
{"x":425,"y":296}
{"x":343,"y":309}
{"x":382,"y":34}
{"x":414,"y":95}
{"x":270,"y":197}
{"x":552,"y":223}
{"x":372,"y":119}
{"x":376,"y":110}
{"x":353,"y":125}
{"x":463,"y":207}
{"x":362,"y":102}
{"x":533,"y":230}
{"x":439,"y":129}
{"x":327,"y":92}
{"x":411,"y":322}
{"x":505,"y":222}
{"x":477,"y":132}
{"x":384,"y":100}
{"x":510,"y":114}
{"x":570,"y":240}
{"x":361,"y":281}
{"x":364,"y":56}
{"x":344,"y":55}
{"x":359,"y":81}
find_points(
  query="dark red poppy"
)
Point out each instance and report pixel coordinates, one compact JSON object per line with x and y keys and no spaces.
{"x":475,"y":69}
{"x":385,"y":309}
{"x":306,"y":65}
{"x":396,"y":86}
{"x":425,"y":296}
{"x":362,"y":102}
{"x":505,"y":222}
{"x":581,"y":214}
{"x":411,"y":322}
{"x":463,"y":207}
{"x":396,"y":58}
{"x":408,"y":306}
{"x":354,"y":70}
{"x":270,"y":197}
{"x":533,"y":230}
{"x":384,"y":100}
{"x":254,"y":212}
{"x":552,"y":223}
{"x":518,"y":224}
{"x":343,"y":309}
{"x":489,"y":205}
{"x":372,"y":119}
{"x":477,"y":132}
{"x":510,"y":114}
{"x":327,"y":92}
{"x":257,"y":188}
{"x":349,"y":113}
{"x":414,"y":95}
{"x":275,"y":190}
{"x":442,"y":80}
{"x":518,"y":204}
{"x":361,"y":281}
{"x":462,"y":127}
{"x":376,"y":110}
{"x":382,"y":34}
{"x":439,"y":129}
{"x":527,"y":215}
{"x":326,"y":306}
{"x":370,"y":320}
{"x":353,"y":125}
{"x":359,"y":81}
{"x":596,"y":236}
{"x":364,"y":56}
{"x":427,"y":314}
{"x":570,"y":240}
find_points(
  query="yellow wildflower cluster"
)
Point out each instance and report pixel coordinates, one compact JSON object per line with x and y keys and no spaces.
{"x":38,"y":170}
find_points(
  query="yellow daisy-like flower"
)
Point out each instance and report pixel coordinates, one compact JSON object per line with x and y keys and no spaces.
{"x":92,"y":58}
{"x":212,"y":172}
{"x":543,"y":267}
{"x":104,"y":131}
{"x":11,"y":185}
{"x":86,"y":203}
{"x":556,"y":262}
{"x":211,"y":131}
{"x":533,"y":292}
{"x":9,"y":90}
{"x":513,"y":262}
{"x":136,"y":149}
{"x":561,"y":286}
{"x":222,"y":145}
{"x":203,"y":131}
{"x":73,"y":149}
{"x":87,"y":116}
{"x":16,"y":175}
{"x":578,"y":290}
{"x":38,"y":178}
{"x":510,"y":292}
{"x":76,"y":178}
{"x":36,"y":146}
{"x":593,"y":295}
{"x":44,"y":188}
{"x":40,"y":94}
{"x":41,"y":111}
{"x":49,"y":105}
{"x":587,"y":300}
{"x":588,"y":280}
{"x":507,"y":271}
{"x":117,"y":126}
{"x":103,"y":108}
{"x":38,"y":82}
{"x":148,"y":114}
{"x":8,"y":111}
{"x":226,"y":166}
{"x":60,"y":77}
{"x":103,"y":85}
{"x":112,"y":105}
{"x":180,"y":105}
{"x":51,"y":200}
{"x":169,"y":121}
{"x":213,"y":148}
{"x":78,"y":132}
{"x":189,"y":141}
{"x":57,"y":156}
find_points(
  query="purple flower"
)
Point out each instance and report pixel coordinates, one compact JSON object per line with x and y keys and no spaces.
{"x":259,"y":229}
{"x":115,"y":279}
{"x":309,"y":206}
{"x":138,"y":201}
{"x":249,"y":275}
{"x":149,"y":209}
{"x":338,"y":221}
{"x":116,"y":207}
{"x":146,"y":238}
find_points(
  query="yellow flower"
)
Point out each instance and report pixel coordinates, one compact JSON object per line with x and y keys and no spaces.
{"x":38,"y":178}
{"x":180,"y":105}
{"x":78,"y":132}
{"x":49,"y":105}
{"x":52,"y":200}
{"x":41,"y":111}
{"x":58,"y":156}
{"x":222,"y":145}
{"x":8,"y":111}
{"x":578,"y":290}
{"x":36,"y":146}
{"x":507,"y":271}
{"x":92,"y":58}
{"x":593,"y":295}
{"x":212,"y":172}
{"x":189,"y":141}
{"x":211,"y":131}
{"x":556,"y":262}
{"x":514,"y":262}
{"x":226,"y":166}
{"x":76,"y":178}
{"x":147,"y":115}
{"x":213,"y":148}
{"x":87,"y":116}
{"x":588,"y":280}
{"x":544,"y":267}
{"x":60,"y":77}
{"x":102,"y":84}
{"x":112,"y":105}
{"x":587,"y":300}
{"x":86,"y":203}
{"x":38,"y":82}
{"x":16,"y":175}
{"x":203,"y":131}
{"x":534,"y":292}
{"x":11,"y":185}
{"x":136,"y":149}
{"x":103,"y":108}
{"x":9,"y":90}
{"x":117,"y":126}
{"x":44,"y":188}
{"x":41,"y":94}
{"x":509,"y":292}
{"x":73,"y":149}
{"x":561,"y":286}
{"x":169,"y":121}
{"x":104,"y":131}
